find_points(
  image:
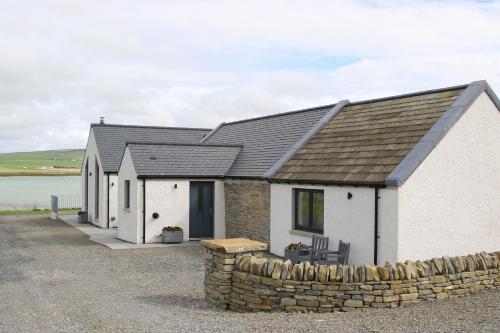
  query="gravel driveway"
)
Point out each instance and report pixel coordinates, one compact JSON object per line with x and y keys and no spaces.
{"x":52,"y":279}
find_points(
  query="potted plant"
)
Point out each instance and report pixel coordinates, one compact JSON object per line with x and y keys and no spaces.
{"x":172,"y":234}
{"x":83,"y":217}
{"x":297,"y":252}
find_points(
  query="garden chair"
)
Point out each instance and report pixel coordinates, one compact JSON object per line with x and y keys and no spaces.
{"x":340,"y":257}
{"x":319,"y":245}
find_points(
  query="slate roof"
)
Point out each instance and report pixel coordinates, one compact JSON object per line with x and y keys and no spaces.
{"x":111,"y":139}
{"x":182,"y":160}
{"x":265,"y":139}
{"x":365,"y":141}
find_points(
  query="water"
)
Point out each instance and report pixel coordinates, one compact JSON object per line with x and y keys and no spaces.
{"x":29,"y":192}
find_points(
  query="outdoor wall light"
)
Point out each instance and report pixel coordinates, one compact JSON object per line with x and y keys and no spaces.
{"x":90,"y":173}
{"x":175,"y":186}
{"x":156,"y":215}
{"x":349,"y":195}
{"x":112,"y":184}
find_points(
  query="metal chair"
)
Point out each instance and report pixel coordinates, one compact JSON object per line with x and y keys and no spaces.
{"x":340,"y":257}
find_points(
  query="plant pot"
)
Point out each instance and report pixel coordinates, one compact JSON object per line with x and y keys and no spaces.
{"x":172,"y":236}
{"x":83,"y":217}
{"x":297,"y":256}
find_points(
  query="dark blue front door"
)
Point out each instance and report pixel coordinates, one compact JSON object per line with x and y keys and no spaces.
{"x":201,"y":209}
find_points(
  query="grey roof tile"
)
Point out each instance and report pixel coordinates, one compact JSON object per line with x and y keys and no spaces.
{"x":111,"y":139}
{"x":182,"y":160}
{"x":265,"y":139}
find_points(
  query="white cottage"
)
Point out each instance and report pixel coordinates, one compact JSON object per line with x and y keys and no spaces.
{"x":102,"y":158}
{"x":404,"y":177}
{"x":407,"y":177}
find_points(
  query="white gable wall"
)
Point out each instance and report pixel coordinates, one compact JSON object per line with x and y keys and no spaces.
{"x":91,"y":154}
{"x":450,"y":205}
{"x":130,"y":225}
{"x":351,"y":220}
{"x":172,"y":205}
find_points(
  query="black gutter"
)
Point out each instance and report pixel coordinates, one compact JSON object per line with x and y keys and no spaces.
{"x":143,"y":211}
{"x":376,"y":236}
{"x":108,"y":201}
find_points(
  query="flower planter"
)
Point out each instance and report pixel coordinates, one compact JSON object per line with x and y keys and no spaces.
{"x":83,"y":217}
{"x":172,"y":236}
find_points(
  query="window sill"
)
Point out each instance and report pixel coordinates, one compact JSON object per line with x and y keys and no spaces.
{"x":304,"y":233}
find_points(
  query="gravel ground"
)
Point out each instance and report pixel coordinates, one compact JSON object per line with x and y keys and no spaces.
{"x":52,"y":279}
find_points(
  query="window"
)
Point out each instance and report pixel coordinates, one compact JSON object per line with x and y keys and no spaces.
{"x":127,"y":194}
{"x":309,"y":212}
{"x":97,"y":171}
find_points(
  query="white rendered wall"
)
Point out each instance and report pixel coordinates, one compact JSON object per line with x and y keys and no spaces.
{"x":450,"y":205}
{"x":172,"y":204}
{"x":349,"y":220}
{"x":91,"y":154}
{"x":219,"y":210}
{"x":130,"y":219}
{"x":113,"y":199}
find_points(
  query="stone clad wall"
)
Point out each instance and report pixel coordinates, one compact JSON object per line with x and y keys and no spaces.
{"x":263,"y":284}
{"x":247,"y":209}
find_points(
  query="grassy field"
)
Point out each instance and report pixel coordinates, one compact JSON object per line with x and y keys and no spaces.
{"x":50,"y":162}
{"x":38,"y":211}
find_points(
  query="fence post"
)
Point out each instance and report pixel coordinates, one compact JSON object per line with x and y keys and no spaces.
{"x":54,"y":207}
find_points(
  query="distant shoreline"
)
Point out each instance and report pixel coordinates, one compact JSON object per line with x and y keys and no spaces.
{"x":20,"y":174}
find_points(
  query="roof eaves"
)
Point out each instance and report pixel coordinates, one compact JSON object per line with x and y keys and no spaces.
{"x":205,"y":138}
{"x":431,"y":139}
{"x":299,"y":144}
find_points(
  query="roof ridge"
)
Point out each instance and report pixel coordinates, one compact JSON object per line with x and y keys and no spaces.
{"x":417,"y":93}
{"x":180,"y":144}
{"x":281,"y":114}
{"x":145,"y":126}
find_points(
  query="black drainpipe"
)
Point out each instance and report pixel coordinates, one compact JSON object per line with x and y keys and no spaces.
{"x":144,"y":211}
{"x":376,"y":237}
{"x":108,"y":201}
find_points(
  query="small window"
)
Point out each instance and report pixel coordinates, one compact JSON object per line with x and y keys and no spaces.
{"x":127,"y":194}
{"x":309,"y":213}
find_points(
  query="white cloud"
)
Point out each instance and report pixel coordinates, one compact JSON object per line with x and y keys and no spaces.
{"x":196,"y":63}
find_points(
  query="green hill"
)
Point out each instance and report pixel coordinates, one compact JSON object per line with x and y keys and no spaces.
{"x":49,"y":162}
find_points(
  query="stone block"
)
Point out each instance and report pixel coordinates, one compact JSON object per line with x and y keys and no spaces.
{"x":353,"y":303}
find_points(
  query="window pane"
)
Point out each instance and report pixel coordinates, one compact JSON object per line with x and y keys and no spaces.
{"x":127,"y":194}
{"x":302,"y":219}
{"x":318,"y":212}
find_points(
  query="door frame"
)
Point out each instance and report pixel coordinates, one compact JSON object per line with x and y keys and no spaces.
{"x":212,"y":216}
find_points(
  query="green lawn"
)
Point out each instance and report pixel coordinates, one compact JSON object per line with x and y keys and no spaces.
{"x":50,"y":162}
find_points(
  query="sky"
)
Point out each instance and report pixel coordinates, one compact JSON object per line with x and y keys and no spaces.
{"x":63,"y":64}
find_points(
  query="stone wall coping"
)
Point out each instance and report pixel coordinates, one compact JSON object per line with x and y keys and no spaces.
{"x":234,"y":245}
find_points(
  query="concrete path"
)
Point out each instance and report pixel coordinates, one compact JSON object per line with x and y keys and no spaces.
{"x":109,"y":237}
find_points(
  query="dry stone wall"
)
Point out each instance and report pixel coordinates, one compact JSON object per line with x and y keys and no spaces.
{"x":256,"y":283}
